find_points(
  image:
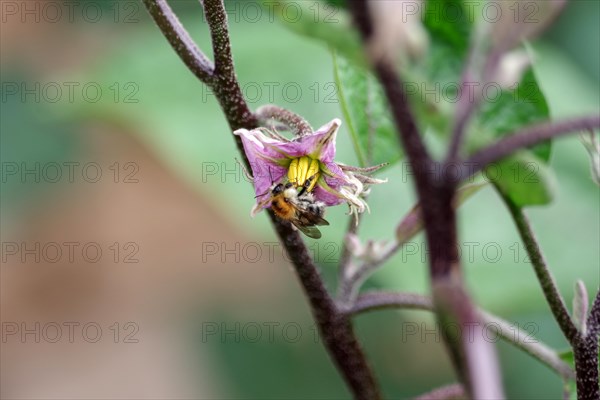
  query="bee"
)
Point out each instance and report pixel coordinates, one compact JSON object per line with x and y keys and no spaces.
{"x":298,"y":207}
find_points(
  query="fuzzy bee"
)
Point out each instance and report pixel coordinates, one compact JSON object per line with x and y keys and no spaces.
{"x":298,"y":207}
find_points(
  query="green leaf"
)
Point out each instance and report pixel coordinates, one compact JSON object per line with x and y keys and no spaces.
{"x":366,"y":113}
{"x":432,"y":83}
{"x":508,"y":110}
{"x":524,"y":177}
{"x":321,"y":20}
{"x":567,"y":356}
{"x":449,"y":40}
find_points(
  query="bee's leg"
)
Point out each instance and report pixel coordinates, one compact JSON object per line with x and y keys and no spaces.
{"x":316,"y":209}
{"x":306,"y":185}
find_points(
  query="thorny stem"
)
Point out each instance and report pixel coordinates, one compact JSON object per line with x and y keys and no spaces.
{"x":334,"y":326}
{"x":510,"y":333}
{"x":298,"y":125}
{"x":551,"y":293}
{"x":475,"y":363}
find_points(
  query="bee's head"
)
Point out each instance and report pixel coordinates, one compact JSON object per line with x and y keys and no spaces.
{"x":280,"y":188}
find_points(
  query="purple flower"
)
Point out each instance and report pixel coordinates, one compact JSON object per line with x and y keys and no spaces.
{"x":275,"y":159}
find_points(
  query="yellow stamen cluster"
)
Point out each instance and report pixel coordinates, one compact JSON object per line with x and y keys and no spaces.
{"x":303,"y":168}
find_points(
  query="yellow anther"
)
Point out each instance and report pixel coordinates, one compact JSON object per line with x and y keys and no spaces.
{"x":304,"y":168}
{"x":313,"y":172}
{"x":293,"y":171}
{"x":303,"y":165}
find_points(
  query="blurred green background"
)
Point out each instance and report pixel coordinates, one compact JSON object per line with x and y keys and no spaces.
{"x":177,"y":119}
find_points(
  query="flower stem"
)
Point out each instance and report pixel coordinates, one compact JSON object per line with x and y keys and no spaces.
{"x":334,"y":326}
{"x":475,"y":363}
{"x":551,"y":293}
{"x":293,"y":121}
{"x":226,"y":86}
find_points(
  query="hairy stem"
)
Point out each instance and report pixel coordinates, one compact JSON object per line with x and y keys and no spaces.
{"x":593,"y":321}
{"x":226,"y":86}
{"x":180,"y":40}
{"x":526,"y":137}
{"x":510,"y":333}
{"x":474,"y":361}
{"x":334,"y":326}
{"x":551,"y":293}
{"x":293,"y":121}
{"x":586,"y":356}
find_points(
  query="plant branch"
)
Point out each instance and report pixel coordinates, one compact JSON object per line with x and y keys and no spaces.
{"x":586,"y":356}
{"x":412,"y":223}
{"x":551,"y":293}
{"x":464,"y":110}
{"x":180,"y":40}
{"x":455,"y":391}
{"x":510,"y":333}
{"x":467,"y":105}
{"x":351,"y":278}
{"x":585,"y":347}
{"x":345,"y":261}
{"x":334,"y":326}
{"x":526,"y":137}
{"x":593,"y":320}
{"x":226,"y":86}
{"x":475,"y":362}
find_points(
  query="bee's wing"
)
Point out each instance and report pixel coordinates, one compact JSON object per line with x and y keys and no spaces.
{"x":307,"y":217}
{"x":314,"y":219}
{"x":308,"y":230}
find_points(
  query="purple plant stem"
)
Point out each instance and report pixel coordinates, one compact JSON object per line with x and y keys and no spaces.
{"x":334,"y":326}
{"x":478,"y":372}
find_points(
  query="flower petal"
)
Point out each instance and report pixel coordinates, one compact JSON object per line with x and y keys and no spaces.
{"x":319,"y":145}
{"x":263,"y":161}
{"x":327,"y":195}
